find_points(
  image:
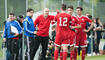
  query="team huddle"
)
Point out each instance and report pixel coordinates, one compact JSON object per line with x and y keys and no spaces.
{"x":70,"y":31}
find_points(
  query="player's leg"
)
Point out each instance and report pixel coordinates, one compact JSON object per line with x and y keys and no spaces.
{"x":76,"y":46}
{"x":83,"y":53}
{"x":12,"y":50}
{"x":72,"y":53}
{"x":83,"y":45}
{"x":65,"y":44}
{"x":17,"y":49}
{"x":75,"y":53}
{"x":65,"y":50}
{"x":58,"y":41}
{"x":27,"y":57}
{"x":56,"y":53}
{"x":44,"y":43}
{"x":72,"y":41}
{"x":35,"y":46}
{"x":61,"y":54}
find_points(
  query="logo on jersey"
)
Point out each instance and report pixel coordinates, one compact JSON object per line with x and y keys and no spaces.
{"x":82,"y":19}
{"x":73,"y":19}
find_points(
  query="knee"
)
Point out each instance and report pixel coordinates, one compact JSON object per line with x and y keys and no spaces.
{"x":65,"y":49}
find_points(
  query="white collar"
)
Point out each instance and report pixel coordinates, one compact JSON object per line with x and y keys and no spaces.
{"x":79,"y":16}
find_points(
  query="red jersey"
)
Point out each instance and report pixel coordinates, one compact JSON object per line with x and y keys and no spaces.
{"x":63,"y":20}
{"x":82,"y":20}
{"x":74,"y":21}
{"x":43,"y":25}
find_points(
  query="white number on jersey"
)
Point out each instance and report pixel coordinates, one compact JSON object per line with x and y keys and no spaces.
{"x":64,"y":22}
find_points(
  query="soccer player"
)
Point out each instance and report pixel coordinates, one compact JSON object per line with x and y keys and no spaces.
{"x":29,"y":31}
{"x":81,"y":33}
{"x":62,"y":33}
{"x":74,"y":25}
{"x":11,"y":36}
{"x":42,"y":35}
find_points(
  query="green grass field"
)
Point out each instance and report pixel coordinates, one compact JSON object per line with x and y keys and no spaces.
{"x":1,"y":50}
{"x":92,"y":58}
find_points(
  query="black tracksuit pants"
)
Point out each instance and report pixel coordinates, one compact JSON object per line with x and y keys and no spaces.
{"x":44,"y":43}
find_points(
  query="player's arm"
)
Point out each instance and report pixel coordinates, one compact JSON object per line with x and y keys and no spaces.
{"x":91,"y":26}
{"x":100,"y":27}
{"x":19,"y":28}
{"x":74,"y":27}
{"x":54,"y":20}
{"x":26,"y":27}
{"x":77,"y":23}
{"x":5,"y":31}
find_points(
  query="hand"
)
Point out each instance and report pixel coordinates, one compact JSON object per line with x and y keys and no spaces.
{"x":2,"y":35}
{"x":85,"y":30}
{"x":94,"y":30}
{"x":16,"y":34}
{"x":37,"y":28}
{"x":72,"y":27}
{"x":57,"y":11}
{"x":35,"y":32}
{"x":4,"y":39}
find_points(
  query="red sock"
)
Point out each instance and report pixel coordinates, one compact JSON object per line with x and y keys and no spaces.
{"x":61,"y":55}
{"x":56,"y":55}
{"x":83,"y":53}
{"x":64,"y":55}
{"x":75,"y":54}
{"x":72,"y":55}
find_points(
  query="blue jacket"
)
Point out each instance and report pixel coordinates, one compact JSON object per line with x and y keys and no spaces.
{"x":7,"y":30}
{"x":28,"y":27}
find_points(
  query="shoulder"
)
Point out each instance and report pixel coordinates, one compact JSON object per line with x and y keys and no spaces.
{"x":26,"y":19}
{"x":84,"y":17}
{"x":51,"y":16}
{"x":40,"y":16}
{"x":16,"y":21}
{"x":66,"y":14}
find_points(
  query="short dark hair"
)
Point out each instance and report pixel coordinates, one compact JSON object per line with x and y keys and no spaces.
{"x":80,"y":8}
{"x":11,"y":14}
{"x":54,"y":26}
{"x":63,"y":6}
{"x":20,"y":17}
{"x":89,"y":16}
{"x":97,"y":19}
{"x":29,"y":9}
{"x":70,"y":7}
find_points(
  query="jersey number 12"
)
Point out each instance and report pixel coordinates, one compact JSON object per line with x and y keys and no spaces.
{"x":64,"y":22}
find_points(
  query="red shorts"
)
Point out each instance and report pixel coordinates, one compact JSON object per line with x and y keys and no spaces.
{"x":61,"y":40}
{"x":72,"y":39}
{"x":81,"y":40}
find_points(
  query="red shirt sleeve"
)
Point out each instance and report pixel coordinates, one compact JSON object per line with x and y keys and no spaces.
{"x":88,"y":20}
{"x":54,"y":19}
{"x":36,"y":22}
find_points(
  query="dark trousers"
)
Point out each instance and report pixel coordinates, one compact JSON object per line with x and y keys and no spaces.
{"x":97,"y":45}
{"x":29,"y":41}
{"x":8,"y":45}
{"x":14,"y":50}
{"x":44,"y":43}
{"x":20,"y":48}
